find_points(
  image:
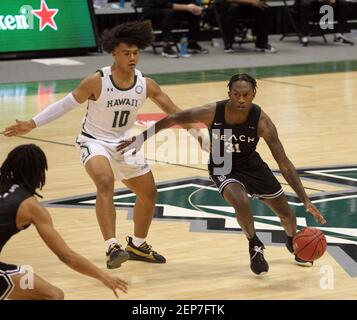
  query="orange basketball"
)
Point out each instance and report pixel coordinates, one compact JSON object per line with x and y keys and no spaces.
{"x":309,"y":244}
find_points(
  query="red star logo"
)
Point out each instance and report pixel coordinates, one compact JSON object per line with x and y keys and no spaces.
{"x":46,"y":16}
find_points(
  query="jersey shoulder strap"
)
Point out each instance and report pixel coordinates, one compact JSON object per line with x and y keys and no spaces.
{"x":220,"y":108}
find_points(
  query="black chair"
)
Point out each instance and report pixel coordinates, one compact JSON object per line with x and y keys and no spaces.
{"x":179,"y":30}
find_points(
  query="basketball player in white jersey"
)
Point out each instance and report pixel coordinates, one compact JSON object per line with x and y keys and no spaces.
{"x":114,"y":94}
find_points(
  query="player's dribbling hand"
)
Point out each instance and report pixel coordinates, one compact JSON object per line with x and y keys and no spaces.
{"x":115,"y":283}
{"x":315,"y":213}
{"x":20,"y":128}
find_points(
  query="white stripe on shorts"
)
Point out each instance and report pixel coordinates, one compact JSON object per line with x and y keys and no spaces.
{"x":270,"y":196}
{"x":228,"y":181}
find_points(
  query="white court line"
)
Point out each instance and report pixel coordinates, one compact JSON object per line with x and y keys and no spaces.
{"x":335,"y":198}
{"x":334,"y":170}
{"x":321,"y":173}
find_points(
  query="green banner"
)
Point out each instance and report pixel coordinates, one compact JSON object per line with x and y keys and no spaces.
{"x":32,"y":25}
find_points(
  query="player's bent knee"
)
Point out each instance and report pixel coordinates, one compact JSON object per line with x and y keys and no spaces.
{"x":152,"y":194}
{"x":149,"y":195}
{"x":105,"y":183}
{"x":241,"y":205}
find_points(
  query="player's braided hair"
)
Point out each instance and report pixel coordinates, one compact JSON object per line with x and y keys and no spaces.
{"x":25,"y":165}
{"x":243,"y":77}
{"x":137,"y":33}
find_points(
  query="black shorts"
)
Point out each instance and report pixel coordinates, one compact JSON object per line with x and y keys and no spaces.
{"x":6,"y":284}
{"x":258,"y":181}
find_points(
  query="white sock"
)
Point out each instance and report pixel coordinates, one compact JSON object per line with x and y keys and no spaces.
{"x":138,"y":241}
{"x":109,"y":242}
{"x":338,"y":35}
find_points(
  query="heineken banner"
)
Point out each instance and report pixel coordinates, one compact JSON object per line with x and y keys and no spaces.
{"x":42,"y":27}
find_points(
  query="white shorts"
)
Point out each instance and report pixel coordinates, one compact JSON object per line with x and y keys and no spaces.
{"x":124,"y":166}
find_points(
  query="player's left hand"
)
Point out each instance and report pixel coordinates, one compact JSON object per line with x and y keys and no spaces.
{"x":133,"y":144}
{"x":115,"y":283}
{"x":310,"y":207}
{"x":204,"y":144}
{"x":202,"y":137}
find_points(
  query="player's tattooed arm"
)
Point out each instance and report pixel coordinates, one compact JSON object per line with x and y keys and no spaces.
{"x":204,"y":114}
{"x":268,"y":131}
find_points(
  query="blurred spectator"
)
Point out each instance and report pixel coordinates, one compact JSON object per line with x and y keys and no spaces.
{"x":164,"y":14}
{"x":304,"y":8}
{"x":232,"y":10}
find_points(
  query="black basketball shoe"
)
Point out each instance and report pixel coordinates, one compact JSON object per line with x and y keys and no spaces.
{"x":258,"y":264}
{"x":298,"y":261}
{"x":144,"y":252}
{"x":303,"y":263}
{"x":116,"y":256}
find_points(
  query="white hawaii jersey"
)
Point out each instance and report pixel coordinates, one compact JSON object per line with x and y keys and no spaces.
{"x":111,"y":116}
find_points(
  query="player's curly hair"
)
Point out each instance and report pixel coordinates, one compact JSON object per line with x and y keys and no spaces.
{"x":25,"y":166}
{"x":243,"y":77}
{"x":139,"y":33}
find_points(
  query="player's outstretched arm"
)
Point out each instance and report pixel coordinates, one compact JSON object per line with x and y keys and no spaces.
{"x":267,"y":130}
{"x":40,"y":217}
{"x":86,"y":89}
{"x":204,"y":114}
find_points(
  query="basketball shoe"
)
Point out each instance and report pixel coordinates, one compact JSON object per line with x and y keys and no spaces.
{"x":258,"y":264}
{"x":342,"y":39}
{"x":116,"y":256}
{"x":298,"y":261}
{"x":303,"y":263}
{"x":144,"y":252}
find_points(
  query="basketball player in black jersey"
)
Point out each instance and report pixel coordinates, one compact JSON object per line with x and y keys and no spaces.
{"x":235,"y":127}
{"x":21,"y":174}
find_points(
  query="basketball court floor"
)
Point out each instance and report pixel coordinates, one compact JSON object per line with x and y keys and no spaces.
{"x":195,"y":229}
